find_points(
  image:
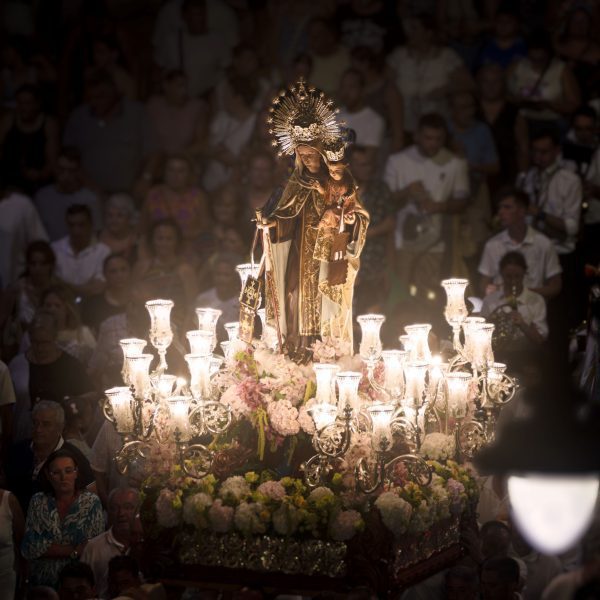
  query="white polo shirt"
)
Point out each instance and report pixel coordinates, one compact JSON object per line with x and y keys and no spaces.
{"x":538,"y":250}
{"x":80,"y":268}
{"x":530,"y":305}
{"x":557,"y":192}
{"x":445,"y":177}
{"x":366,"y":123}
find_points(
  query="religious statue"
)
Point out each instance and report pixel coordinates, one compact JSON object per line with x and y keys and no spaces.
{"x":314,"y":232}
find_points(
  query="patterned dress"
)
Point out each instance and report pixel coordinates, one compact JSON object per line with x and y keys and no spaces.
{"x":43,"y":527}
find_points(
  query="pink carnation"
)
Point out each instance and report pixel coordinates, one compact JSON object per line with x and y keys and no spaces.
{"x":345,"y":524}
{"x":220,"y":516}
{"x":283,"y":417}
{"x":272,"y":489}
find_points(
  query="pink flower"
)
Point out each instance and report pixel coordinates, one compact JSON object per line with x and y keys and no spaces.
{"x":283,"y":417}
{"x":345,"y":524}
{"x":272,"y":489}
{"x":220,"y":516}
{"x":168,"y":508}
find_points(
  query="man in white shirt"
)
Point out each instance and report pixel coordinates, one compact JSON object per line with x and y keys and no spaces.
{"x":123,"y":506}
{"x":543,"y":267}
{"x":79,"y":256}
{"x":362,"y":119}
{"x":430,"y":184}
{"x":20,"y":224}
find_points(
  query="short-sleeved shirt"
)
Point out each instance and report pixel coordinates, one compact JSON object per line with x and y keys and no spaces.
{"x":367,"y":125}
{"x":80,"y":268}
{"x":445,"y":177}
{"x":538,"y":250}
{"x":52,"y":207}
{"x":112,"y":150}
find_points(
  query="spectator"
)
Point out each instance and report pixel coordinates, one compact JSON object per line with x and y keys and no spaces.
{"x":78,"y":414}
{"x":506,"y":44}
{"x":61,"y":518}
{"x":591,"y":218}
{"x":366,"y":24}
{"x":508,"y":127}
{"x":53,"y":201}
{"x":329,"y":58}
{"x":123,"y":505}
{"x":27,"y":457}
{"x":107,"y":56}
{"x":473,"y":140}
{"x":430,"y":183}
{"x":79,"y":255}
{"x":525,"y":310}
{"x":28,"y":142}
{"x":229,"y":132}
{"x":42,"y":592}
{"x":166,"y":273}
{"x":581,"y":141}
{"x":20,"y":225}
{"x":73,"y":337}
{"x":7,"y":401}
{"x":180,"y":120}
{"x":225,"y":293}
{"x":115,"y":297}
{"x":362,"y":119}
{"x":461,"y":583}
{"x":43,"y":372}
{"x":381,"y":94}
{"x":17,"y":69}
{"x":124,"y":580}
{"x":259,"y":185}
{"x":11,"y":534}
{"x":114,"y":135}
{"x":500,"y":579}
{"x":76,"y":582}
{"x":200,"y":52}
{"x":542,"y":85}
{"x":376,"y":198}
{"x":179,"y":199}
{"x":544,"y":271}
{"x":425,"y":72}
{"x":119,"y":232}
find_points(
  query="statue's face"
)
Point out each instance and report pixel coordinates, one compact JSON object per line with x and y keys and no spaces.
{"x":310,"y":158}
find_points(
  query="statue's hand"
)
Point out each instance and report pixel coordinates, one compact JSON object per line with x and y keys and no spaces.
{"x":265,"y":224}
{"x":329,"y":219}
{"x":350,"y":218}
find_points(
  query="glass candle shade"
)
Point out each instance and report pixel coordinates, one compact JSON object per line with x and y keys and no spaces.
{"x":269,"y":334}
{"x":121,"y":402}
{"x":139,"y":367}
{"x":381,"y":417}
{"x":495,"y":371}
{"x":370,"y":341}
{"x":456,"y":309}
{"x":457,"y":386}
{"x":201,"y":342}
{"x":233,"y":330}
{"x":348,"y":382}
{"x":161,"y":334}
{"x":322,"y":415}
{"x":215,"y":364}
{"x":393,"y":361}
{"x":325,"y":375}
{"x":482,"y":344}
{"x":207,"y":321}
{"x":164,"y":384}
{"x":405,"y":341}
{"x":199,"y":366}
{"x":130,"y":347}
{"x":415,"y":373}
{"x":179,"y":408}
{"x":437,"y":368}
{"x":418,"y":335}
{"x":468,"y":326}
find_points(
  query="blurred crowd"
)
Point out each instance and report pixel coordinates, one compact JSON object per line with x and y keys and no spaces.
{"x":135,"y":150}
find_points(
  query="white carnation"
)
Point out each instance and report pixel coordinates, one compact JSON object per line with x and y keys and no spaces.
{"x":234,"y":488}
{"x":194,"y":509}
{"x":395,"y":512}
{"x":247,"y":518}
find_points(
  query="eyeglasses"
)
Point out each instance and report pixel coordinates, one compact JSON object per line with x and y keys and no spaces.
{"x":67,"y":471}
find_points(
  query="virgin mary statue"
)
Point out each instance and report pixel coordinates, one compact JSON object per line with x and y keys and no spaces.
{"x":314,"y":232}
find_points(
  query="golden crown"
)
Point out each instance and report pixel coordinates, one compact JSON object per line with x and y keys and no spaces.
{"x":302,"y":114}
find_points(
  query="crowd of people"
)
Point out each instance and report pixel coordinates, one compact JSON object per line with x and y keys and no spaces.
{"x":134,"y":152}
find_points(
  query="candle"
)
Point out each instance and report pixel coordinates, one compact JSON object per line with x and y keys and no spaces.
{"x":130,"y":347}
{"x":370,"y":341}
{"x":120,"y":399}
{"x":436,"y":372}
{"x":393,"y":361}
{"x":405,"y":341}
{"x":457,"y":385}
{"x":415,"y":373}
{"x":468,"y":327}
{"x":207,"y":321}
{"x":456,"y":309}
{"x":140,"y":378}
{"x":325,"y":375}
{"x":199,"y":366}
{"x":201,"y":341}
{"x":481,"y":336}
{"x":164,"y":384}
{"x":323,"y":415}
{"x":418,"y":335}
{"x":348,"y":382}
{"x":381,"y":433}
{"x":161,"y":334}
{"x":178,"y":410}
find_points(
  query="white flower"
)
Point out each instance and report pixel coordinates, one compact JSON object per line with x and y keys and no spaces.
{"x":422,"y":518}
{"x":286,"y":519}
{"x":194,"y":509}
{"x":233,"y":397}
{"x":220,"y":517}
{"x":166,"y":513}
{"x":247,"y":518}
{"x":360,"y":448}
{"x":320,"y":493}
{"x":272,"y":490}
{"x":345,"y":524}
{"x":283,"y":417}
{"x":395,"y":512}
{"x":437,"y":446}
{"x":305,"y":421}
{"x":234,"y":488}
